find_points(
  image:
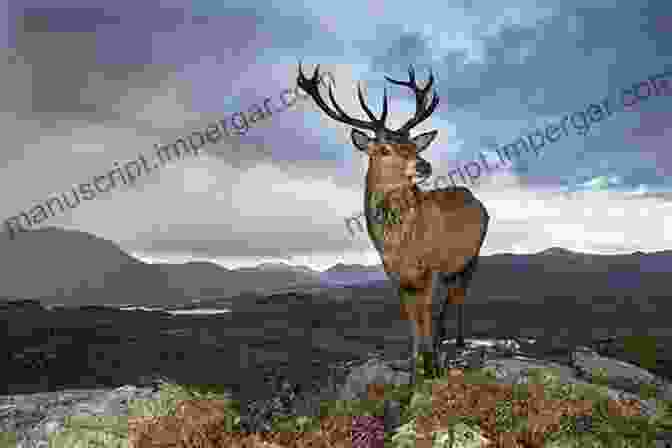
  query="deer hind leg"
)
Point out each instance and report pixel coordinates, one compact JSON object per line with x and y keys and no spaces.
{"x":408,"y":312}
{"x":457,"y":293}
{"x":456,"y":297}
{"x":439,"y":313}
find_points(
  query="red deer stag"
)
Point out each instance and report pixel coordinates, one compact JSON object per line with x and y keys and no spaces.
{"x":429,"y":242}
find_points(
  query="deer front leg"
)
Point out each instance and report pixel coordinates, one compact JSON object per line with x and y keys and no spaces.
{"x":416,"y":307}
{"x":425,"y":330}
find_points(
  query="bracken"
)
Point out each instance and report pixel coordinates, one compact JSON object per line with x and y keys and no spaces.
{"x":200,"y":423}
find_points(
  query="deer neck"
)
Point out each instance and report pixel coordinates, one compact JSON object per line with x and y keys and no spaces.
{"x":403,"y":197}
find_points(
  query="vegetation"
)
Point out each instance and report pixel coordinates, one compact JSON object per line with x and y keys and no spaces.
{"x":419,"y":415}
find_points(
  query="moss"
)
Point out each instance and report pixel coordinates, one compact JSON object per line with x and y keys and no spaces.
{"x":375,"y":202}
{"x":643,"y":347}
{"x":8,"y":440}
{"x":407,"y":296}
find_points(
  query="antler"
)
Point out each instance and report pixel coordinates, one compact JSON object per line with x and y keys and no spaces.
{"x":310,"y":86}
{"x":421,"y":113}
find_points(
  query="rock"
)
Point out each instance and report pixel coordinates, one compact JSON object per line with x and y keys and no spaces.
{"x":35,"y":417}
{"x":153,"y":381}
{"x":375,"y":371}
{"x":287,"y":400}
{"x":259,"y":414}
{"x":620,"y":374}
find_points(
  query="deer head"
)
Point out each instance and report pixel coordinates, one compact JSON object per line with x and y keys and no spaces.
{"x":393,"y":154}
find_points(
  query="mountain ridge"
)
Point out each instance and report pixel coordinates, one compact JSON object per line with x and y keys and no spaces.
{"x":77,"y":268}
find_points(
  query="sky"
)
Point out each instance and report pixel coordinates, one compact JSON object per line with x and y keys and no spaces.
{"x":89,"y":83}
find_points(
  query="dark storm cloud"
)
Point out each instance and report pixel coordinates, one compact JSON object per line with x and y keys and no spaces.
{"x":567,"y":64}
{"x":73,"y":20}
{"x":410,"y":48}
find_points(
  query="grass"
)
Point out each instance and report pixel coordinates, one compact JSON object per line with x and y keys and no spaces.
{"x":425,"y":414}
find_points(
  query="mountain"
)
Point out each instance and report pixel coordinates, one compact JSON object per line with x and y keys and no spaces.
{"x":554,"y":272}
{"x":269,"y":276}
{"x":340,"y":267}
{"x":196,"y":279}
{"x":283,"y":267}
{"x":353,"y":274}
{"x":558,"y":252}
{"x":73,"y":268}
{"x":302,"y":273}
{"x":561,"y":273}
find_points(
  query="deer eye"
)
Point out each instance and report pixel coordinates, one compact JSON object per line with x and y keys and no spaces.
{"x":384,"y":151}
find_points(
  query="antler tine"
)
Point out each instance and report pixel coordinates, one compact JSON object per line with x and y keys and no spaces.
{"x":411,"y":79}
{"x":335,"y":104}
{"x":421,"y":113}
{"x":310,"y":86}
{"x":430,"y":81}
{"x":363,"y":103}
{"x":383,"y":116}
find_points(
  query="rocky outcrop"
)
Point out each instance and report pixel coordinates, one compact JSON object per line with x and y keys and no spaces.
{"x":622,"y":381}
{"x":36,"y":417}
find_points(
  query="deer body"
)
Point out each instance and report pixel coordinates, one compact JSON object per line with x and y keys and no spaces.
{"x":412,"y":246}
{"x":429,"y":242}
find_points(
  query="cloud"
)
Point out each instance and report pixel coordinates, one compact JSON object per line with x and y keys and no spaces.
{"x":587,"y":222}
{"x":84,"y":86}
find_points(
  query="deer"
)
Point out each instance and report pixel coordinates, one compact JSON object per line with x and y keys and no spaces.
{"x":429,"y":241}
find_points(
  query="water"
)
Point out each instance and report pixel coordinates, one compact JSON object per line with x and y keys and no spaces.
{"x":196,"y":311}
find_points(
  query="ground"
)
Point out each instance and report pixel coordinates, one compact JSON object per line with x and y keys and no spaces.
{"x":462,"y":406}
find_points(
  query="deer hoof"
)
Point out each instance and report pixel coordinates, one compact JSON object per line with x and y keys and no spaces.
{"x":438,"y":365}
{"x":429,"y":365}
{"x":413,"y":370}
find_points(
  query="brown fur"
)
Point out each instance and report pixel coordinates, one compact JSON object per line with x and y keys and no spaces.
{"x":420,"y":232}
{"x":438,"y":231}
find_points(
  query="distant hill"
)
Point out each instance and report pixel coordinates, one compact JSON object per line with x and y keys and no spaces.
{"x":554,"y":272}
{"x":352,"y":274}
{"x":73,"y":268}
{"x":209,"y":280}
{"x":340,"y":267}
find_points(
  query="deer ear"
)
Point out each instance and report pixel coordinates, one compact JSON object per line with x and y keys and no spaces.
{"x":360,"y":140}
{"x":422,"y":141}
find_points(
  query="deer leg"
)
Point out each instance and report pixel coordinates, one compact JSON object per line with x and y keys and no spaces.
{"x":416,"y":307}
{"x":424,"y":332}
{"x":408,"y":298}
{"x":439,"y":323}
{"x":459,"y":296}
{"x":456,"y":297}
{"x":439,"y":336}
{"x":460,"y":326}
